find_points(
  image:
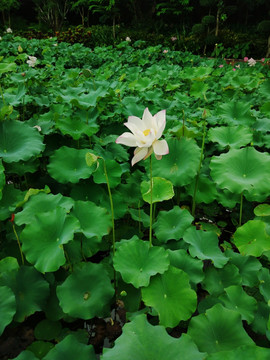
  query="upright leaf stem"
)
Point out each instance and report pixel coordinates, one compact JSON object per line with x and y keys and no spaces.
{"x":241,"y":209}
{"x":199,"y":169}
{"x":111,"y":204}
{"x":151,"y":202}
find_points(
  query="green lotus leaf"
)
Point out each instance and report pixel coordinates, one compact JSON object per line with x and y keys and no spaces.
{"x":171,"y":296}
{"x":87,"y":292}
{"x":6,"y":67}
{"x":237,"y":299}
{"x":41,"y":203}
{"x":114,"y":172}
{"x":95,"y":221}
{"x":232,"y":136}
{"x":7,"y":307}
{"x":182,"y":260}
{"x":248,"y":267}
{"x":252,"y":239}
{"x":262,"y":210}
{"x":30,"y":290}
{"x":26,"y":355}
{"x":236,"y":113}
{"x":242,"y":353}
{"x":204,"y":246}
{"x":69,"y":349}
{"x":198,"y":89}
{"x":261,"y":319}
{"x":22,"y":167}
{"x":181,"y":164}
{"x":2,"y":178}
{"x":265,"y":108}
{"x":162,"y":190}
{"x":219,"y":329}
{"x":40,"y":348}
{"x":52,"y":229}
{"x":241,"y":169}
{"x":76,"y":127}
{"x":227,"y":199}
{"x":217,"y":279}
{"x":47,"y":330}
{"x":8,"y":264}
{"x":206,"y":190}
{"x":136,"y":343}
{"x":172,"y":224}
{"x":137,"y":262}
{"x":18,"y":141}
{"x":68,"y":165}
{"x":140,"y":215}
{"x":264,"y":278}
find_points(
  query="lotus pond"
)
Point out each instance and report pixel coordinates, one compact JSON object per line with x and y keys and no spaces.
{"x":165,"y":259}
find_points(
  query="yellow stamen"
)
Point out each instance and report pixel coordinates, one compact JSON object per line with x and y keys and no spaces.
{"x":146,"y":132}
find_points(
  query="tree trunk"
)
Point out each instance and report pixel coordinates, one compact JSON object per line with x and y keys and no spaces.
{"x":268,"y":48}
{"x":217,"y":22}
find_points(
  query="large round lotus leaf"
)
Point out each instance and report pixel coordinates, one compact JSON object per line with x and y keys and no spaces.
{"x":181,"y":164}
{"x":41,"y":203}
{"x":7,"y":307}
{"x":114,"y":172}
{"x":162,"y":190}
{"x":236,"y":113}
{"x":172,"y":224}
{"x":69,"y":349}
{"x":136,"y":342}
{"x":232,"y":136}
{"x":47,"y":330}
{"x":69,"y":165}
{"x":52,"y":229}
{"x":182,"y":260}
{"x":30,"y":289}
{"x":206,"y":190}
{"x":18,"y":141}
{"x":242,"y":169}
{"x":235,"y":298}
{"x":219,"y":329}
{"x":248,"y":267}
{"x":94,"y":220}
{"x":252,"y":239}
{"x":171,"y":296}
{"x":217,"y":279}
{"x":87,"y":292}
{"x":242,"y":353}
{"x":137,"y":261}
{"x":204,"y":246}
{"x":10,"y":198}
{"x":26,"y":355}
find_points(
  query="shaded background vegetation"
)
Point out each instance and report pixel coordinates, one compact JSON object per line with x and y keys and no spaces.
{"x":239,"y":27}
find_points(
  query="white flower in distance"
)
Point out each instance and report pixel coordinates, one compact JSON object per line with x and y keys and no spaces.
{"x":145,"y":134}
{"x":32,"y":61}
{"x":9,"y":31}
{"x":251,"y":62}
{"x":128,"y":39}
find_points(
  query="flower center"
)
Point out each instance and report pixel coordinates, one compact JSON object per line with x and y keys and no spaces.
{"x":146,"y":132}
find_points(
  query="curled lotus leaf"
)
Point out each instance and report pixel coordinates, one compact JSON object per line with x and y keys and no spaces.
{"x":19,"y":141}
{"x":232,"y":136}
{"x":242,"y":170}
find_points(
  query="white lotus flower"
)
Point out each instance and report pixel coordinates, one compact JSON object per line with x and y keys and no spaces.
{"x":144,"y":135}
{"x":251,"y":62}
{"x":128,"y":39}
{"x":32,"y":61}
{"x":9,"y":31}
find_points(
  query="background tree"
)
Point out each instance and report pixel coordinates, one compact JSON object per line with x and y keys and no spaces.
{"x":5,"y":7}
{"x":53,"y":12}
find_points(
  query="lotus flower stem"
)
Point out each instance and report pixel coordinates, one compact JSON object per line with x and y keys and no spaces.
{"x":241,"y":209}
{"x":199,"y":168}
{"x":111,"y":204}
{"x":18,"y":241}
{"x":151,"y":202}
